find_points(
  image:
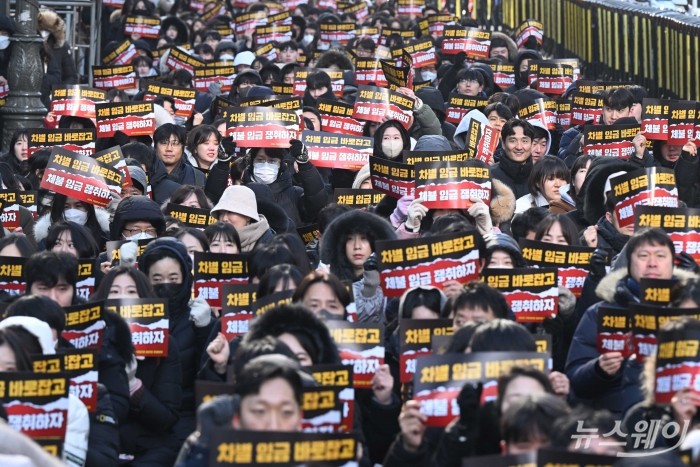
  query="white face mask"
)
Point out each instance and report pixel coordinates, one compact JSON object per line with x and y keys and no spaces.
{"x":226,"y":57}
{"x":75,"y":215}
{"x":392,"y":148}
{"x":308,"y":39}
{"x":44,"y":34}
{"x":139,"y":236}
{"x":429,"y":75}
{"x":265,"y":172}
{"x":4,"y":42}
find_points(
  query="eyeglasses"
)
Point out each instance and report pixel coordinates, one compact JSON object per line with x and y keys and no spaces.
{"x":174,"y":143}
{"x":150,"y":231}
{"x":468,"y":81}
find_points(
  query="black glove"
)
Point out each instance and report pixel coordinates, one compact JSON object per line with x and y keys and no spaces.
{"x":468,"y":400}
{"x":215,"y":415}
{"x":685,"y":261}
{"x":226,"y":149}
{"x":371,"y":263}
{"x":298,"y":151}
{"x":599,"y":259}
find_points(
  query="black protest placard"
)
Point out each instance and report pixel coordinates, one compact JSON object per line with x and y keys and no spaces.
{"x":415,"y":341}
{"x":681,"y":224}
{"x":564,"y":113}
{"x":236,"y":447}
{"x":610,"y":140}
{"x":204,"y":77}
{"x":184,"y":97}
{"x":410,"y":8}
{"x":84,"y":326}
{"x":369,"y":71}
{"x":534,"y":65}
{"x":12,"y":275}
{"x":374,"y":104}
{"x":527,"y":29}
{"x":131,"y":118}
{"x":554,"y":78}
{"x":336,"y":117}
{"x":338,"y":376}
{"x":459,"y":105}
{"x":655,"y":115}
{"x":427,"y":261}
{"x":594,"y":87}
{"x":279,"y":33}
{"x":81,"y":141}
{"x":283,"y":17}
{"x":113,"y":157}
{"x":11,"y":202}
{"x":503,"y":74}
{"x":212,"y":270}
{"x":146,"y":27}
{"x":677,"y":366}
{"x":75,"y":100}
{"x":270,"y":52}
{"x":473,"y":42}
{"x":422,"y":53}
{"x":237,"y":308}
{"x":148,"y":321}
{"x":361,"y":13}
{"x":190,"y":216}
{"x":179,"y":59}
{"x":249,"y":21}
{"x":452,"y":185}
{"x":79,"y":365}
{"x":81,"y":177}
{"x":36,"y":404}
{"x":541,"y":110}
{"x":121,"y":77}
{"x":653,"y":186}
{"x":434,"y":25}
{"x":262,"y":127}
{"x":682,"y":122}
{"x":572,"y":262}
{"x":406,"y":35}
{"x":660,"y":292}
{"x":292,"y":103}
{"x":122,"y":55}
{"x":586,"y":108}
{"x":398,"y":76}
{"x":323,"y":410}
{"x":647,"y":319}
{"x":487,"y":139}
{"x":614,"y":331}
{"x":336,"y":151}
{"x":439,"y":378}
{"x":361,"y":346}
{"x":85,"y":285}
{"x":357,"y":198}
{"x":264,"y":304}
{"x":392,"y":178}
{"x":335,"y":34}
{"x":309,"y":233}
{"x":415,"y":157}
{"x":531,"y":293}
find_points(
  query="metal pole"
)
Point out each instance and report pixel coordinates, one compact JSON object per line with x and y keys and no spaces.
{"x":24,"y":108}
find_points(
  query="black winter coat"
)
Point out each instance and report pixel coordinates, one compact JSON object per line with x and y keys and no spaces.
{"x":512,"y":174}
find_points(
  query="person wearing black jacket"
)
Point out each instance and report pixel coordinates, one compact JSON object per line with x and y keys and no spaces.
{"x":515,"y":166}
{"x":170,"y":146}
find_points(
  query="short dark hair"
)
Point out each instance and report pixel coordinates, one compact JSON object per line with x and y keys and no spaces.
{"x":250,"y":349}
{"x":419,"y":296}
{"x":511,"y":101}
{"x":532,"y":417}
{"x":201,"y":134}
{"x":648,"y":236}
{"x":261,"y":370}
{"x":80,"y":236}
{"x":329,"y":279}
{"x":638,"y":92}
{"x":568,"y":228}
{"x":366,"y":43}
{"x":460,"y":340}
{"x":328,"y":214}
{"x":42,"y":308}
{"x":477,"y":294}
{"x":510,"y":126}
{"x":501,"y":110}
{"x":23,"y":344}
{"x":139,"y":152}
{"x":502,"y":335}
{"x":225,"y":230}
{"x":579,"y":164}
{"x":25,"y":248}
{"x":184,"y":191}
{"x":522,"y":372}
{"x":196,"y":233}
{"x":548,"y":168}
{"x":49,"y":267}
{"x":318,"y":80}
{"x":470,"y":74}
{"x":265,"y":256}
{"x":618,"y":99}
{"x":527,"y":221}
{"x":166,"y":130}
{"x":281,"y":272}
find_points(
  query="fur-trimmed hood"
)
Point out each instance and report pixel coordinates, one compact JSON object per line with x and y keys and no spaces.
{"x":608,"y":286}
{"x":49,"y":20}
{"x":42,"y":225}
{"x":502,"y":206}
{"x":356,"y":221}
{"x":510,"y":43}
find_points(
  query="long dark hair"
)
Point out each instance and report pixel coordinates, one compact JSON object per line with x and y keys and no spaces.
{"x":81,"y":237}
{"x":143,"y":286}
{"x":92,"y":224}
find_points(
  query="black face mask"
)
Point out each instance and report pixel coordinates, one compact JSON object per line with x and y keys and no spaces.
{"x":326,"y":315}
{"x":170,"y":292}
{"x":228,"y":145}
{"x":141,"y":13}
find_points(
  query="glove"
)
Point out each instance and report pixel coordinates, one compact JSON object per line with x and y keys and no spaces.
{"x":127,"y":254}
{"x":599,"y":258}
{"x":370,"y":276}
{"x":223,"y":155}
{"x":371,"y":263}
{"x":134,"y":382}
{"x":468,"y":401}
{"x":200,"y":312}
{"x":214,"y":415}
{"x":685,"y":261}
{"x":214,"y":89}
{"x":398,"y":217}
{"x":482,"y":216}
{"x":298,"y":151}
{"x":416,"y":213}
